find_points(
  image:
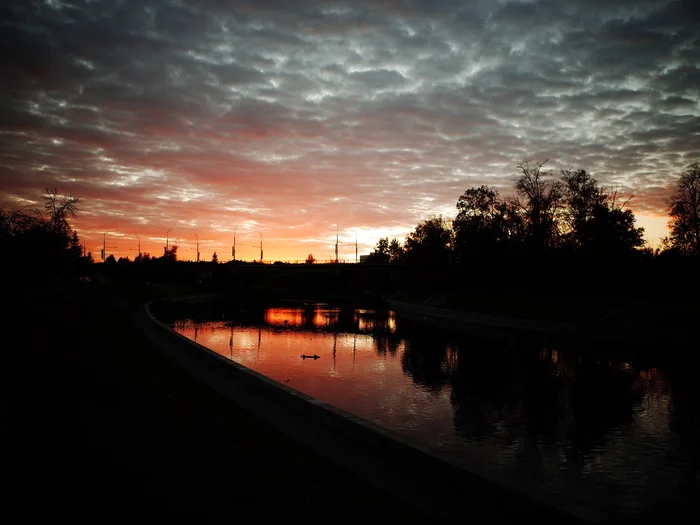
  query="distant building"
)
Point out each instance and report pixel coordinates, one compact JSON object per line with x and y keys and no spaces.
{"x":364,"y":258}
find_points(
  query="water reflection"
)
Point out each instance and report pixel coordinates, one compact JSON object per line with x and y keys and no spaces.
{"x":617,"y":436}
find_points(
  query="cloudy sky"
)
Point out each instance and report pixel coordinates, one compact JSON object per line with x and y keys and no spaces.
{"x":291,"y":119}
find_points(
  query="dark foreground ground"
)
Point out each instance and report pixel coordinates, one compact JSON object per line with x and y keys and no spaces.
{"x":102,"y":428}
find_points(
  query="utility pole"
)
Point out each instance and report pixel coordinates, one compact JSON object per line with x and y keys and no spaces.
{"x":336,"y":243}
{"x":233,"y":249}
{"x":104,"y":246}
{"x":197,"y":246}
{"x":165,"y":251}
{"x":261,"y":249}
{"x":355,"y":250}
{"x":139,"y":238}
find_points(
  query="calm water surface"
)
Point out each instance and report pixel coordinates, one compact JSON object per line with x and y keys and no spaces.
{"x":618,"y":437}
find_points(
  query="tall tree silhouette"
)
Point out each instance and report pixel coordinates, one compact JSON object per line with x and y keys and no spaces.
{"x":581,"y":196}
{"x":611,"y":231}
{"x":684,"y":211}
{"x":486,"y":225}
{"x":541,"y":202}
{"x":595,"y":222}
{"x":396,"y":251}
{"x":41,"y":240}
{"x":380,"y":254}
{"x":430,"y":244}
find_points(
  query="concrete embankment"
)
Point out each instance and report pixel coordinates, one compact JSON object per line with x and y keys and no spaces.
{"x":421,"y":478}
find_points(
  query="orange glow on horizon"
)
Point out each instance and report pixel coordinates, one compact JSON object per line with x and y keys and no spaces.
{"x":282,"y":244}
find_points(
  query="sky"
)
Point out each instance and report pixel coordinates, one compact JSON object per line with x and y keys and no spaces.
{"x":296,"y":120}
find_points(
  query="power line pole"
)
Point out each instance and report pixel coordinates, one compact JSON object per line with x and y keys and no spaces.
{"x":197,"y":246}
{"x":165,"y":250}
{"x":104,"y":246}
{"x":337,"y":226}
{"x":233,"y":249}
{"x":261,"y":249}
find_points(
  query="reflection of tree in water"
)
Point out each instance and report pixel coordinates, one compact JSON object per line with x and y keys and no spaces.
{"x":602,"y":398}
{"x":428,"y":359}
{"x":684,"y":421}
{"x":685,"y":399}
{"x":485,"y":389}
{"x":308,"y":316}
{"x":386,"y":342}
{"x":346,"y":321}
{"x":540,"y":397}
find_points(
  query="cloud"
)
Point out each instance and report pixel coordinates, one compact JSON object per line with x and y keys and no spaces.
{"x":373,"y":114}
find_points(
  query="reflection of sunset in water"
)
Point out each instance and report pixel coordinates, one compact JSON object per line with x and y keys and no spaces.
{"x":296,"y":317}
{"x":339,"y":376}
{"x":368,"y":322}
{"x":586,"y":430}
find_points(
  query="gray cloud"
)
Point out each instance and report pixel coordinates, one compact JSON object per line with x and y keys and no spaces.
{"x":391,"y":107}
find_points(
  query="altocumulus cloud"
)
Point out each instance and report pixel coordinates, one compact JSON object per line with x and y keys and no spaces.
{"x":215,"y":114}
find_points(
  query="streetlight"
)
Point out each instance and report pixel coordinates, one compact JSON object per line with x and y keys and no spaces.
{"x":197,"y":246}
{"x":165,"y":251}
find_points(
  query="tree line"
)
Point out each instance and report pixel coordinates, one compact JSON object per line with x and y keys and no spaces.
{"x":571,"y":215}
{"x":39,"y":242}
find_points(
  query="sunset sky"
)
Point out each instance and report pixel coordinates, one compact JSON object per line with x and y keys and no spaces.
{"x":290,"y":118}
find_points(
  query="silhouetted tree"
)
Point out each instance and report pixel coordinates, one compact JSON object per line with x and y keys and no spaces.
{"x":123,"y":260}
{"x":594,"y":221}
{"x":41,"y":240}
{"x":542,"y":199}
{"x":611,"y":231}
{"x":581,"y":196}
{"x":396,"y":251}
{"x":430,"y":244}
{"x":170,"y":254}
{"x":380,"y":254}
{"x":143,"y":257}
{"x":110,"y":259}
{"x":684,"y":210}
{"x":60,"y":208}
{"x":486,"y":225}
{"x":74,"y":246}
{"x":310,"y":259}
{"x":215,"y":258}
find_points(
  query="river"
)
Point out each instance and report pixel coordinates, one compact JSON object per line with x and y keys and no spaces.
{"x":618,"y":436}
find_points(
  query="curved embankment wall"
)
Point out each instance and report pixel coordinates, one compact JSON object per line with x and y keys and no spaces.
{"x":414,"y":474}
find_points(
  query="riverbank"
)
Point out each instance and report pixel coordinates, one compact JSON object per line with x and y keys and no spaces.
{"x":646,"y":324}
{"x":103,"y":428}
